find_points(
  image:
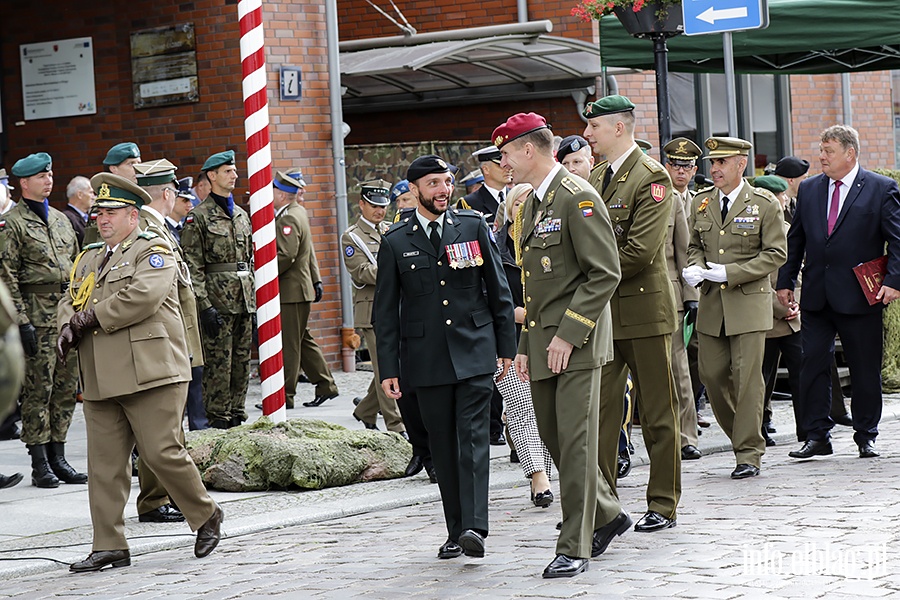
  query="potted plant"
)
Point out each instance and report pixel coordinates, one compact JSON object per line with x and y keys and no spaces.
{"x":640,"y":18}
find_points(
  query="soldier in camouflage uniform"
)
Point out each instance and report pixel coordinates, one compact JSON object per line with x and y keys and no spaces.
{"x":12,"y":366}
{"x":37,"y":247}
{"x":218,"y":248}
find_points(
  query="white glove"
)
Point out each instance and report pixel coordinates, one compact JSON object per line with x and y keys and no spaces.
{"x":693,"y":275}
{"x":715,"y":272}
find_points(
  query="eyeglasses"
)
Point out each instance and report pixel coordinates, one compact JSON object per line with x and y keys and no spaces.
{"x":678,"y":165}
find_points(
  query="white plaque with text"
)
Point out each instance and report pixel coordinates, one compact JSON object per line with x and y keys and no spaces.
{"x":58,"y":79}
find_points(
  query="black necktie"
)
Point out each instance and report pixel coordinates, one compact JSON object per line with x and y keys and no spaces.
{"x":724,"y":208}
{"x":434,"y":236}
{"x":105,"y":260}
{"x":607,"y":177}
{"x":500,"y":198}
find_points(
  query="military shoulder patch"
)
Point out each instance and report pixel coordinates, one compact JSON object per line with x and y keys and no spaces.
{"x":189,"y":219}
{"x":2,"y":224}
{"x":95,"y":245}
{"x":658,"y":191}
{"x":349,"y":251}
{"x":161,"y":249}
{"x":287,"y":230}
{"x":586,"y":204}
{"x":156,"y":261}
{"x":569,"y":184}
{"x":764,"y":193}
{"x":147,"y":235}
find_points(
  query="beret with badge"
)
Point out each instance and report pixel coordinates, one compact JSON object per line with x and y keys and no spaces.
{"x":114,"y":191}
{"x":570,"y":144}
{"x":608,"y":105}
{"x":32,"y":164}
{"x":516,"y":126}
{"x":217,"y":160}
{"x":772,"y":183}
{"x":425,"y":165}
{"x":791,"y":167}
{"x":286,"y":182}
{"x":376,"y":192}
{"x":121,"y":152}
{"x":155,"y":172}
{"x":400,"y":188}
{"x":682,"y":149}
{"x":723,"y":147}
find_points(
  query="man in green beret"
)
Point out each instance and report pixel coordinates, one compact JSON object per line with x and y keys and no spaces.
{"x":37,"y":249}
{"x":638,"y":195}
{"x":218,"y":247}
{"x":737,"y":241}
{"x":121,"y":159}
{"x":125,"y":320}
{"x":681,"y":164}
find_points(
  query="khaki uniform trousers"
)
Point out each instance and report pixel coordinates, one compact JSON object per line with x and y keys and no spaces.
{"x":567,"y":410}
{"x":375,"y":399}
{"x":731,"y":368}
{"x":684,"y":391}
{"x":152,"y":419}
{"x":302,"y":351}
{"x":650,"y":364}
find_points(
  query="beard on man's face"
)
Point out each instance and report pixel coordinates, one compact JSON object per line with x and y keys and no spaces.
{"x":429,"y":203}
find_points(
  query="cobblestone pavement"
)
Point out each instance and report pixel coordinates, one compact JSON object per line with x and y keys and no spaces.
{"x":825,"y":528}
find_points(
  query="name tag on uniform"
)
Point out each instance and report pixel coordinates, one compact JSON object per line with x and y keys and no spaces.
{"x":414,"y":253}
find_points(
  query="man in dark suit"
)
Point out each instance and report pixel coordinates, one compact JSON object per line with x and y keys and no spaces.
{"x":844,"y":217}
{"x":488,"y":197}
{"x":80,"y":196}
{"x":436,"y":263}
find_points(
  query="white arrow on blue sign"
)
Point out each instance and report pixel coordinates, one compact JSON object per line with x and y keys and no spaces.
{"x":720,"y":16}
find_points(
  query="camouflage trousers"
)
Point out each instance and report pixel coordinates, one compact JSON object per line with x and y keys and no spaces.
{"x":226,"y":373}
{"x":48,"y":393}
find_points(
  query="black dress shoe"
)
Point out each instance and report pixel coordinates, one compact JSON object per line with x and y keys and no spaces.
{"x":623,"y":464}
{"x":604,"y":535}
{"x":513,"y":456}
{"x":498,"y":440}
{"x":319,"y":400}
{"x":450,"y":549}
{"x":813,"y":448}
{"x":164,"y":514}
{"x":301,"y":378}
{"x":867,"y":449}
{"x":472,"y":543}
{"x":690,"y":452}
{"x":565,"y":566}
{"x":743,"y":471}
{"x":8,"y":481}
{"x":415,"y":465}
{"x":371,"y":426}
{"x":209,"y":534}
{"x":357,"y":400}
{"x":219,"y":424}
{"x":845,"y":419}
{"x":97,"y":560}
{"x":559,"y":526}
{"x":653,"y":521}
{"x":768,"y":427}
{"x":432,"y":474}
{"x":769,"y":441}
{"x":542,"y":499}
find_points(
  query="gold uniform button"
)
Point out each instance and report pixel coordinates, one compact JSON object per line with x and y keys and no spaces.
{"x":721,"y":251}
{"x":722,"y":286}
{"x":446,"y":303}
{"x":527,"y":248}
{"x":531,"y":323}
{"x":745,"y":234}
{"x":440,"y":263}
{"x":528,"y":299}
{"x":722,"y":232}
{"x":642,"y":289}
{"x":95,"y":301}
{"x":95,"y":332}
{"x":98,"y":285}
{"x":449,"y":322}
{"x":762,"y":289}
{"x":443,"y":282}
{"x":527,"y":273}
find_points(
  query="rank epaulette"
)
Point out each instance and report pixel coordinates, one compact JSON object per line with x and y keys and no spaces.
{"x":569,"y":184}
{"x":147,"y":235}
{"x":161,"y":249}
{"x":95,"y":245}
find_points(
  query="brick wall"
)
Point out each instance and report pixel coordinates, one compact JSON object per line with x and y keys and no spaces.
{"x":186,"y":134}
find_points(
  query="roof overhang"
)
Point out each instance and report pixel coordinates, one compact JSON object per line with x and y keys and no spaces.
{"x":468,"y":66}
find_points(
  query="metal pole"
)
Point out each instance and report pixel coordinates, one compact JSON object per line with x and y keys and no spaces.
{"x":730,"y":92}
{"x":845,"y":97}
{"x":340,"y":174}
{"x":661,"y":65}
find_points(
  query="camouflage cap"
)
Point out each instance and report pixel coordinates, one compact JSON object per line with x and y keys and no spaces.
{"x":122,"y":152}
{"x":32,"y":164}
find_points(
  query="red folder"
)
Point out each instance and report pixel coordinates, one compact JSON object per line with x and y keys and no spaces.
{"x":871,"y":277}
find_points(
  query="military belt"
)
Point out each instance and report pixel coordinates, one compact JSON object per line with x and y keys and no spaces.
{"x":49,"y":288}
{"x":227,"y":267}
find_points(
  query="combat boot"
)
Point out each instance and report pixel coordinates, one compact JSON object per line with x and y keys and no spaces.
{"x":62,"y":469}
{"x":41,"y":474}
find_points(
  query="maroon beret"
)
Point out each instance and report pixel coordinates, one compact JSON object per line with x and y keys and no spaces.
{"x":516,"y":126}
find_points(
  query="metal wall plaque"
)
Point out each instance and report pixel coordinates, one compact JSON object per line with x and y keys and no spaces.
{"x":58,"y":79}
{"x":291,"y":83}
{"x":164,"y":66}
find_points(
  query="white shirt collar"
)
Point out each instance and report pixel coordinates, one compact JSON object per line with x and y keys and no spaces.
{"x":173,"y":222}
{"x":621,"y":160}
{"x":848,"y":179}
{"x":493,"y":192}
{"x":733,"y":194}
{"x":542,"y":189}
{"x":154,"y":213}
{"x":368,"y":222}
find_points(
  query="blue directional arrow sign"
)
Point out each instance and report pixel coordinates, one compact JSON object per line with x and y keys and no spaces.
{"x":720,"y":16}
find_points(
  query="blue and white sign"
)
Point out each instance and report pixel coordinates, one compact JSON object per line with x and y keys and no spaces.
{"x":291,"y":83}
{"x":720,"y":16}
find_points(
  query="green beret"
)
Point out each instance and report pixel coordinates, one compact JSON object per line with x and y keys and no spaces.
{"x":681,"y":148}
{"x":723,"y":147}
{"x":121,"y":152}
{"x":644,"y":145}
{"x":114,"y":191}
{"x":376,"y":193}
{"x":32,"y":165}
{"x":155,"y":172}
{"x":217,"y":160}
{"x":773,"y":183}
{"x":609,"y":105}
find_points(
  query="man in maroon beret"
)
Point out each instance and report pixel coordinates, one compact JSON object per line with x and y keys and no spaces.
{"x":568,"y":252}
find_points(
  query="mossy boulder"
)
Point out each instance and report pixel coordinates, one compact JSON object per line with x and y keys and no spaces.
{"x":304,"y":453}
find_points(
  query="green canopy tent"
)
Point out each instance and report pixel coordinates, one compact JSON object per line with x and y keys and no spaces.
{"x":804,"y":36}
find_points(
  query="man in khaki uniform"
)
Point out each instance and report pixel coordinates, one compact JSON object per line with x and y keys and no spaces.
{"x":360,"y":246}
{"x":737,"y":240}
{"x":124,"y":317}
{"x":638,"y":195}
{"x":299,"y":285}
{"x":682,"y":155}
{"x":12,"y":366}
{"x":567,"y":249}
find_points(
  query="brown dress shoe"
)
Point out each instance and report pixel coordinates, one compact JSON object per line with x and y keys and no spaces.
{"x":97,"y":560}
{"x":209,"y":534}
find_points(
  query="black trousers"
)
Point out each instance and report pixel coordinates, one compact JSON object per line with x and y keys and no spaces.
{"x":861,"y":336}
{"x":456,"y":417}
{"x":496,"y":413}
{"x":786,"y":349}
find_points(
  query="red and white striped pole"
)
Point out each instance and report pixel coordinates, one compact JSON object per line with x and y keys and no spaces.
{"x":262,"y":213}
